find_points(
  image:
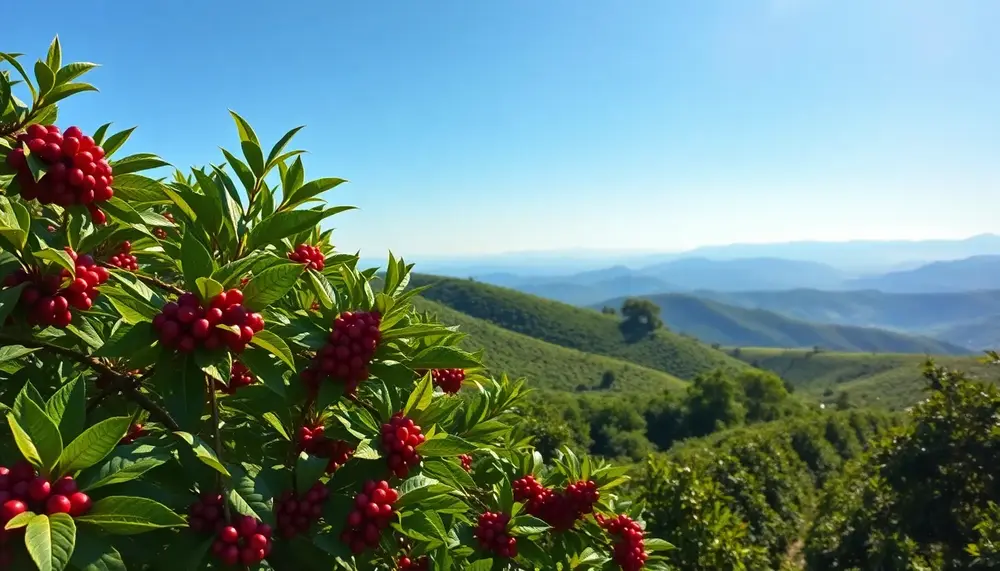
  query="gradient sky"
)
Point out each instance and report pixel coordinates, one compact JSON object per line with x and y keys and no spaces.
{"x":485,"y":126}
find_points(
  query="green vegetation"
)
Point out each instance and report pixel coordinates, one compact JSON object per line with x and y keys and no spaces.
{"x":548,"y":366}
{"x":581,"y":329}
{"x":717,"y":322}
{"x":741,"y":499}
{"x":926,"y":499}
{"x":891,"y":381}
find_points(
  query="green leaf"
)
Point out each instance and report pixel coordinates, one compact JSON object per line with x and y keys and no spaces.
{"x":269,"y":341}
{"x":443,"y":357}
{"x":59,"y":257}
{"x":20,"y":520}
{"x":527,"y":525}
{"x":264,"y":368}
{"x":448,"y":445}
{"x":72,"y":71}
{"x":251,"y":496}
{"x":93,"y":445}
{"x":244,"y":128}
{"x":283,"y":224}
{"x":115,"y":142}
{"x":136,"y":188}
{"x":37,"y":437}
{"x":8,"y":300}
{"x":208,"y":288}
{"x":54,"y":58}
{"x":421,"y":396}
{"x":45,"y":78}
{"x":125,"y":464}
{"x":309,"y":190}
{"x":203,"y":452}
{"x":68,"y":409}
{"x":50,"y":541}
{"x":100,"y":133}
{"x":127,"y":515}
{"x":65,"y":90}
{"x":95,"y":552}
{"x":128,"y":340}
{"x":84,"y":331}
{"x":308,"y":470}
{"x":12,"y":60}
{"x":215,"y":364}
{"x":254,"y":156}
{"x":325,"y":294}
{"x":280,"y":145}
{"x":480,"y":565}
{"x":183,"y":387}
{"x":196,"y":261}
{"x":271,"y":285}
{"x":242,"y":171}
{"x":656,"y":544}
{"x":134,"y":310}
{"x":11,"y":352}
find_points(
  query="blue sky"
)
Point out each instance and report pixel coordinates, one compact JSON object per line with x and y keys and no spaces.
{"x":472,"y":126}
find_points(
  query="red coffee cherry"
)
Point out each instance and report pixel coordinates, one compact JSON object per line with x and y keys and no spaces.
{"x":400,"y":438}
{"x":134,"y":431}
{"x":246,"y":542}
{"x":450,"y":380}
{"x":492,"y":534}
{"x":308,"y":255}
{"x":312,"y":440}
{"x":46,"y":302}
{"x":239,"y":377}
{"x":296,"y":514}
{"x":561,"y":510}
{"x":76,"y":171}
{"x":629,"y":549}
{"x":372,"y":513}
{"x":466,"y":462}
{"x":206,"y":514}
{"x":79,"y":504}
{"x":348,"y":351}
{"x":124,"y":259}
{"x":407,"y":563}
{"x":187,"y":324}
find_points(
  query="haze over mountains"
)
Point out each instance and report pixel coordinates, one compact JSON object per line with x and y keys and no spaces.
{"x":935,"y":296}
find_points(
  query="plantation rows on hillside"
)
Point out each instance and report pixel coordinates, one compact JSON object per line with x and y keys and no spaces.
{"x":576,"y":328}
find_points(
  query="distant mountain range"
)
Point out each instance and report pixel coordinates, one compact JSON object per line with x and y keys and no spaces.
{"x":856,"y":258}
{"x":716,"y":322}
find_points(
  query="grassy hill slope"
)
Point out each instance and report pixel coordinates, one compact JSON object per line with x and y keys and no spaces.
{"x":884,"y":380}
{"x":573,"y":327}
{"x":547,"y":366}
{"x":716,"y":322}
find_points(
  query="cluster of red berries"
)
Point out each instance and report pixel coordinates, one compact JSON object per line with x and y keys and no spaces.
{"x":313,"y":441}
{"x":466,"y":462}
{"x":558,"y":509}
{"x":135,"y":431}
{"x":629,"y":550}
{"x":371,"y":514}
{"x":492,"y":534}
{"x":348,"y":351}
{"x":160,"y":232}
{"x":187,"y":323}
{"x":76,"y":170}
{"x":247,"y":542}
{"x":450,"y":380}
{"x":407,"y":563}
{"x":48,"y":303}
{"x":308,"y":255}
{"x":296,"y":514}
{"x":22,"y":489}
{"x":205,"y":515}
{"x":400,"y":438}
{"x":124,"y":258}
{"x":239,"y":377}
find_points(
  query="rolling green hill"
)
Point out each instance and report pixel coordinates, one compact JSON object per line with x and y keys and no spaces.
{"x":573,"y":327}
{"x":885,"y":380}
{"x":547,"y":366}
{"x":717,"y":322}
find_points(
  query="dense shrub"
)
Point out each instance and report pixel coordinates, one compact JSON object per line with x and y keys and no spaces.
{"x":255,"y":401}
{"x":924,"y":498}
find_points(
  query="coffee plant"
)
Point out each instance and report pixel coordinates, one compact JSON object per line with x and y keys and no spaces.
{"x":193,"y":377}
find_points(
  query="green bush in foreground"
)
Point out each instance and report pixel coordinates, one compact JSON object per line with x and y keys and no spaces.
{"x":193,"y":378}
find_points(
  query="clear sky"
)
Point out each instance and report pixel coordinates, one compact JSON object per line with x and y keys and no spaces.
{"x":470,"y":126}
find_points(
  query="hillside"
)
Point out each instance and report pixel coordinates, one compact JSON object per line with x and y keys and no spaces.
{"x":716,"y":322}
{"x":576,"y":328}
{"x":547,"y":366}
{"x":885,"y":380}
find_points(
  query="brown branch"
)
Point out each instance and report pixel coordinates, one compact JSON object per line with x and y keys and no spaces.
{"x":150,"y":280}
{"x":128,"y":385}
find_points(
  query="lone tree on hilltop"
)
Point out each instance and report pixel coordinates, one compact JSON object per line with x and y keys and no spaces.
{"x":641,"y":317}
{"x":608,"y":310}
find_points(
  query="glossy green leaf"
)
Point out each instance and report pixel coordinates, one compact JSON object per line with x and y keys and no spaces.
{"x":68,"y":409}
{"x":196,"y":260}
{"x":203,"y":451}
{"x":128,"y":515}
{"x":50,"y":541}
{"x":271,"y":285}
{"x":269,"y":341}
{"x":37,"y":437}
{"x":93,"y":445}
